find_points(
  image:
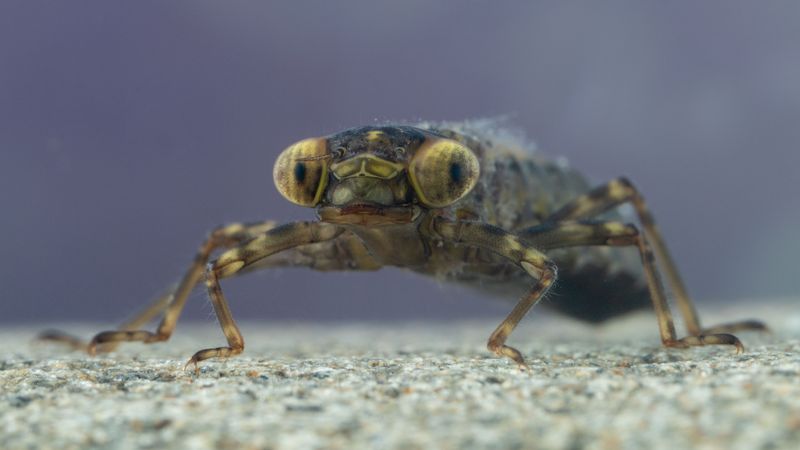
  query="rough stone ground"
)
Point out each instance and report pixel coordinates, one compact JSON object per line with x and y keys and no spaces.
{"x":418,"y":385}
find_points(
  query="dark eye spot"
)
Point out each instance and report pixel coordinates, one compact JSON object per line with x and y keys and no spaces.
{"x":300,"y":172}
{"x":455,"y":172}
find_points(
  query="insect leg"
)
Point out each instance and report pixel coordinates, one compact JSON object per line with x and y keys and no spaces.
{"x":617,"y":192}
{"x":234,"y":260}
{"x":506,"y":244}
{"x":584,"y":233}
{"x":174,"y":301}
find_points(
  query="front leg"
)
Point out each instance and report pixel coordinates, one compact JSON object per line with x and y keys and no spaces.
{"x":237,"y":259}
{"x":535,"y":263}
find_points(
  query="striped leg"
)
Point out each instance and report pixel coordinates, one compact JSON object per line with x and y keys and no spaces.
{"x":173,"y":302}
{"x":535,"y":263}
{"x":149,"y":313}
{"x":238,"y":259}
{"x":581,"y":233}
{"x":617,"y":192}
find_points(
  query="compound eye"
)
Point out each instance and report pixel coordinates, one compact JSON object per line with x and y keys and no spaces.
{"x":442,"y":171}
{"x":301,"y":172}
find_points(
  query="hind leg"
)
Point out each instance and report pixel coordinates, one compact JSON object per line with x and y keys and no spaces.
{"x":618,"y":192}
{"x":614,"y":234}
{"x":171,"y":301}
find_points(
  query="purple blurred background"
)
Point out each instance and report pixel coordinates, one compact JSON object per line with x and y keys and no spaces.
{"x":127,"y":131}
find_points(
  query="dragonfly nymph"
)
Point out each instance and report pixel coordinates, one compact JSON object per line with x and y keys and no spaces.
{"x":465,"y":202}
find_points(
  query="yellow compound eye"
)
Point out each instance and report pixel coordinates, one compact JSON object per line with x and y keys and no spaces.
{"x":301,"y":172}
{"x":442,"y":171}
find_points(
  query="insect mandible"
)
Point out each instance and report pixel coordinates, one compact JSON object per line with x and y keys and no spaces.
{"x":464,"y":202}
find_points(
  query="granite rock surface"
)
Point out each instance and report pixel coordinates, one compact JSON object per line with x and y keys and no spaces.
{"x":410,"y":385}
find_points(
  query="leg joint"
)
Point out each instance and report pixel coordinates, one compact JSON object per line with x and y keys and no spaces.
{"x":625,"y":182}
{"x":622,"y":189}
{"x":223,"y":268}
{"x":545,"y":271}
